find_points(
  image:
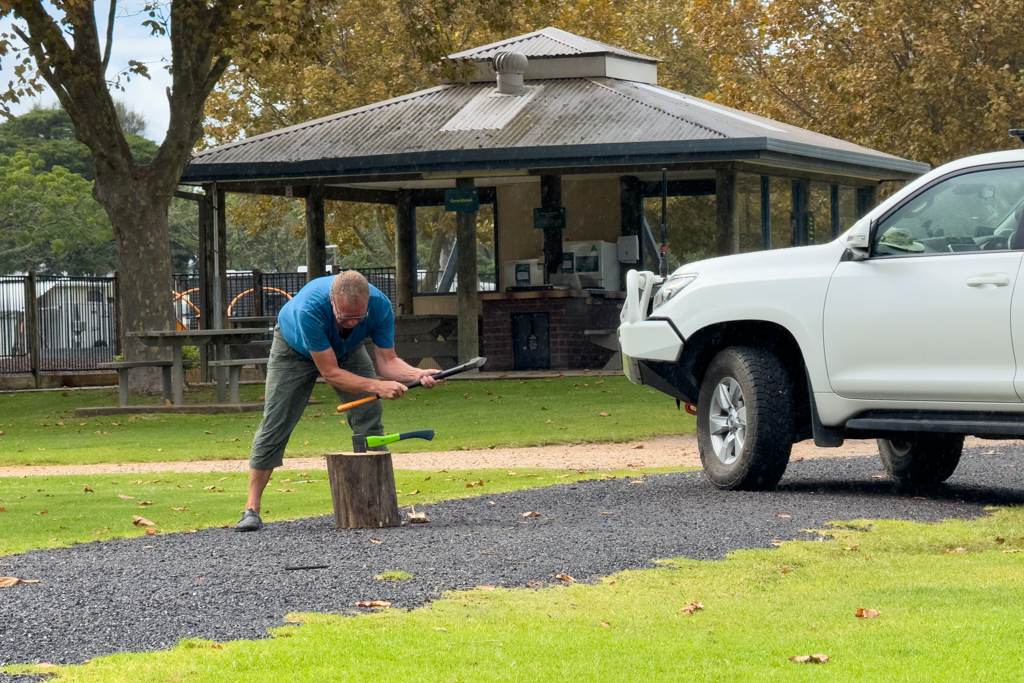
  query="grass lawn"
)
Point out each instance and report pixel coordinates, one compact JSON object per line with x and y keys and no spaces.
{"x":179,"y":502}
{"x":948,"y":594}
{"x":38,"y":428}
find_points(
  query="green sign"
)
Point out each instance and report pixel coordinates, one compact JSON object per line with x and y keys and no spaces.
{"x":461,"y":199}
{"x":544,"y":219}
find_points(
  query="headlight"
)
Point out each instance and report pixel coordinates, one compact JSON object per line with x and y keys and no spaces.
{"x":673,"y":286}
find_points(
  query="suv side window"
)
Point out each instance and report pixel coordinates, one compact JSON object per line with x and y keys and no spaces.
{"x":977,"y":211}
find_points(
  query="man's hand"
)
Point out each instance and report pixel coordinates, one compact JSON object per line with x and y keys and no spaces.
{"x":391,"y":390}
{"x":426,"y":378}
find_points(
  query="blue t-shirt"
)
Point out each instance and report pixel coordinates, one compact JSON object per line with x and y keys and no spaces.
{"x":307,"y":321}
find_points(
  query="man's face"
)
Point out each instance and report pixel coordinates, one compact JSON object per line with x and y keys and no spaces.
{"x":349,"y":313}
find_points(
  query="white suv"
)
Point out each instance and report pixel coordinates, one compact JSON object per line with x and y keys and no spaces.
{"x":909,"y":328}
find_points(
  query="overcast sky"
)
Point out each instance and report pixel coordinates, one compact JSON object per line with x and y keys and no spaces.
{"x":131,"y":41}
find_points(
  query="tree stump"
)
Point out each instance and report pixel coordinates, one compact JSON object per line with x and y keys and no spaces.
{"x":363,"y":490}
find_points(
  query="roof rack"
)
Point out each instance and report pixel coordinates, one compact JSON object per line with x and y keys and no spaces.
{"x":1017,"y":133}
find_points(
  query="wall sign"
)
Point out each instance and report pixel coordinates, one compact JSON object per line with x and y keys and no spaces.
{"x":545,"y":219}
{"x":461,"y":199}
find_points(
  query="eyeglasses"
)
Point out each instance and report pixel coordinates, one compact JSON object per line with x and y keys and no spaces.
{"x":346,"y":318}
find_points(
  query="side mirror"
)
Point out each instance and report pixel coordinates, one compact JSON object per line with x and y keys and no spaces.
{"x":858,"y":241}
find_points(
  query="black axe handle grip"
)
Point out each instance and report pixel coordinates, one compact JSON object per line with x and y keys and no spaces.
{"x":427,"y":434}
{"x":471,"y":365}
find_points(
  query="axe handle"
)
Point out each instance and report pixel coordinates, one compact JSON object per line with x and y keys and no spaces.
{"x":358,"y":402}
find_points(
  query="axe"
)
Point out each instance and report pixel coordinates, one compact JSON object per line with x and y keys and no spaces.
{"x":471,"y":365}
{"x":360,"y":442}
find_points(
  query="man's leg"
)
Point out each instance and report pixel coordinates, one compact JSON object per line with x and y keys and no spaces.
{"x":290,"y":380}
{"x":364,"y":419}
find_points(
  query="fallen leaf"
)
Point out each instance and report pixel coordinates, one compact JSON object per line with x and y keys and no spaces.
{"x":604,"y":414}
{"x":6,"y":581}
{"x":543,"y":408}
{"x":31,"y":580}
{"x":547,"y":422}
{"x":810,"y":659}
{"x":605,"y":475}
{"x":216,"y":646}
{"x":88,"y":490}
{"x":511,"y":474}
{"x":207,"y":488}
{"x":561,"y":476}
{"x":692,"y":607}
{"x":471,"y":484}
{"x":157,"y":450}
{"x":180,"y":509}
{"x":42,"y":512}
{"x":144,"y":502}
{"x":417,"y":517}
{"x":413,"y":492}
{"x":223,"y":478}
{"x":1011,"y":551}
{"x":124,"y":497}
{"x":373,"y":603}
{"x":426,"y":479}
{"x":600,"y":381}
{"x":440,"y":628}
{"x":485,"y":587}
{"x":954,"y":550}
{"x":999,"y":539}
{"x":605,"y":623}
{"x":866,"y":613}
{"x":286,"y":490}
{"x":531,"y":513}
{"x":206,"y":431}
{"x":374,"y":540}
{"x":3,"y":509}
{"x":565,"y":577}
{"x":851,"y":547}
{"x":151,"y":531}
{"x":97,"y":533}
{"x":781,"y":514}
{"x":640,"y":446}
{"x":136,"y":520}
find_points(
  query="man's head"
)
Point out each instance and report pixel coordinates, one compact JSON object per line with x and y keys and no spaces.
{"x":350,"y":295}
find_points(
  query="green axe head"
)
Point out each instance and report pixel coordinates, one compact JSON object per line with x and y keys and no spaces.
{"x":360,"y":442}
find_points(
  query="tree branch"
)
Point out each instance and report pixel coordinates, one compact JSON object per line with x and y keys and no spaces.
{"x":110,"y":35}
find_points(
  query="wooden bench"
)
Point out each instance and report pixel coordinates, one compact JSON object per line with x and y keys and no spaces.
{"x":234,"y":366}
{"x":123,"y":367}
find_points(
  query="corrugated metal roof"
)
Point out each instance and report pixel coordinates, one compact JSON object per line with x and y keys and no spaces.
{"x":572,"y":121}
{"x":548,"y":42}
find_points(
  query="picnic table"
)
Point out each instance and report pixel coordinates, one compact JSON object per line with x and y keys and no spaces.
{"x":176,"y":339}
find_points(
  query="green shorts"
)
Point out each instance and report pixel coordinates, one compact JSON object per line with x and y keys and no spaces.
{"x":290,"y":380}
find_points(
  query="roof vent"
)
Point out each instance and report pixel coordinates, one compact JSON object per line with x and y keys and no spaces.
{"x":509,"y":67}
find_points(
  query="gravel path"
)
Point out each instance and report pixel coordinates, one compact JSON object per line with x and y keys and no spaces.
{"x":146,"y":593}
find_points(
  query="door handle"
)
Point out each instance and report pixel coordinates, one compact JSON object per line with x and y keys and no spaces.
{"x":996,"y":279}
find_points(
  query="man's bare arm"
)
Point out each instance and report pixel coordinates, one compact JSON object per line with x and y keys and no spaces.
{"x":391,"y":366}
{"x":327,"y":364}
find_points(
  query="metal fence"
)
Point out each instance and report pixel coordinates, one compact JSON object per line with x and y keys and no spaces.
{"x":75,"y":317}
{"x":428,"y":282}
{"x":74,"y":323}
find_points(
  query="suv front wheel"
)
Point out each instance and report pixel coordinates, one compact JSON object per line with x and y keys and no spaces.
{"x":745,"y":419}
{"x":921,"y":458}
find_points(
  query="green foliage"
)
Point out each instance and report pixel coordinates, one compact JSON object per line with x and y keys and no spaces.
{"x":40,"y":428}
{"x":49,"y":221}
{"x":50,"y":135}
{"x":922,"y":80}
{"x":189,"y":357}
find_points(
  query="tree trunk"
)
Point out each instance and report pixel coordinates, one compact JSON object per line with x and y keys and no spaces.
{"x":139,"y":218}
{"x":363,"y":490}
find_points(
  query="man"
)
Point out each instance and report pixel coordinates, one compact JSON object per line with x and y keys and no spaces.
{"x":320,"y":333}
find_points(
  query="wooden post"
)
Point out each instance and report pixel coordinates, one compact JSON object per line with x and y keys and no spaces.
{"x":257,"y":292}
{"x":465,"y":268}
{"x":32,"y":325}
{"x":118,"y":329}
{"x":833,"y":204}
{"x":631,"y":218}
{"x":766,"y":213}
{"x":405,"y":247}
{"x":551,"y":199}
{"x":801,"y":211}
{"x":316,"y":239}
{"x":727,"y":237}
{"x":363,"y":490}
{"x":206,"y":304}
{"x":866,"y":200}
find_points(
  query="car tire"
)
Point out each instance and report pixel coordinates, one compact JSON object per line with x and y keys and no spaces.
{"x":921,"y":458}
{"x":745,"y":419}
